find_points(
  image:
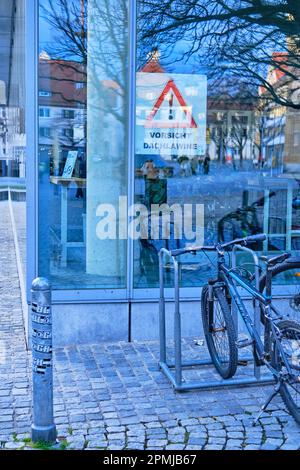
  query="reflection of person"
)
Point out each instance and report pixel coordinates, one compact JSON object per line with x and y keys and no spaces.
{"x":81,"y":173}
{"x":149,"y":171}
{"x":260,"y":161}
{"x":206,"y":164}
{"x":185,"y":166}
{"x":195,"y":165}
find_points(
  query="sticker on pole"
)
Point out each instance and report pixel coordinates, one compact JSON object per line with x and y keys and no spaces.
{"x":171,"y":114}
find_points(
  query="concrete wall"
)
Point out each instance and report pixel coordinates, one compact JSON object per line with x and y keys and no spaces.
{"x":108,"y":322}
{"x":89,"y":323}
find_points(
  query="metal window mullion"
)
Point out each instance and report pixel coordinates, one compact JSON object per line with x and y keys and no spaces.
{"x":31,"y":80}
{"x":131,"y":135}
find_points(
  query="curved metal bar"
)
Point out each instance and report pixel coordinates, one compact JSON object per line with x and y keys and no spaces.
{"x":175,"y":376}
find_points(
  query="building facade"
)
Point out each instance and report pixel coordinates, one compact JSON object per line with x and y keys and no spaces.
{"x":123,"y":121}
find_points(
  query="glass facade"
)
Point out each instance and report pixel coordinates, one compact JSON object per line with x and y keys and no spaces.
{"x":12,"y":89}
{"x":83,"y":112}
{"x":217,"y":124}
{"x":216,"y":136}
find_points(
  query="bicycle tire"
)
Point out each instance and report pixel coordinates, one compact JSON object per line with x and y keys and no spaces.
{"x":225,"y":365}
{"x":292,"y":263}
{"x":289,"y":328}
{"x":224,"y":233}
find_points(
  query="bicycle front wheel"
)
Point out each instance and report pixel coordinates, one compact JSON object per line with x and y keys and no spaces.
{"x":219,"y":331}
{"x":290,"y":387}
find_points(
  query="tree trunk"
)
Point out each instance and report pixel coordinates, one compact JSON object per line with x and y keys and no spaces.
{"x":241,"y":156}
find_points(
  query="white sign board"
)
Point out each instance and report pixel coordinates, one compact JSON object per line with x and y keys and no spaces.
{"x":171,"y":114}
{"x":70,"y":164}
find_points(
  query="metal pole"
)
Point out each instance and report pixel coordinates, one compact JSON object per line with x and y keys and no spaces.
{"x":289,"y":217}
{"x":43,"y":427}
{"x":257,"y":322}
{"x":257,"y":325}
{"x":162,"y":311}
{"x":177,"y":328}
{"x":266,"y":218}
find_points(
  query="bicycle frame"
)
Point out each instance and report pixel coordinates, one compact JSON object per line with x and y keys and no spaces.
{"x":231,"y":280}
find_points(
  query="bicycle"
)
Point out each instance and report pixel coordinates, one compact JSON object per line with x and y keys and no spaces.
{"x":242,"y":222}
{"x":290,"y":270}
{"x":279,"y":349}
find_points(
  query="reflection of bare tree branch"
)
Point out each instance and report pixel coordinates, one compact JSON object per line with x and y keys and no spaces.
{"x":69,"y":22}
{"x":65,"y":17}
{"x":240,"y":133}
{"x":227,"y":39}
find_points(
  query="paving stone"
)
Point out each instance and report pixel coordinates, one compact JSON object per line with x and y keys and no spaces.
{"x":175,"y":447}
{"x":234,"y":443}
{"x":216,"y":440}
{"x":253,"y":440}
{"x":197,"y":441}
{"x":290,"y":446}
{"x":235,"y":435}
{"x":213,"y":447}
{"x":192,"y":447}
{"x":270,"y":446}
{"x":135,"y":447}
{"x":157,"y":443}
{"x":14,"y":445}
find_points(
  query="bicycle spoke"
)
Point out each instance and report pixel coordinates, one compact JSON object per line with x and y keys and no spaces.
{"x":220,"y":335}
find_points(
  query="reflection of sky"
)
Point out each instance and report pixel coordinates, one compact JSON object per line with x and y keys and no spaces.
{"x":172,"y":58}
{"x":174,"y":63}
{"x":45,"y":33}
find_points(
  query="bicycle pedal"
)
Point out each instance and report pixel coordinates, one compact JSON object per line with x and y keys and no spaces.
{"x":243,"y":343}
{"x":242,"y":363}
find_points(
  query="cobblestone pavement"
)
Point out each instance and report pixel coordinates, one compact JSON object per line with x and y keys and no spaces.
{"x":113,"y":396}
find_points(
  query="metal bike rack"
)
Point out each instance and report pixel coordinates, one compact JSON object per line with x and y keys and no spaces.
{"x":174,"y":370}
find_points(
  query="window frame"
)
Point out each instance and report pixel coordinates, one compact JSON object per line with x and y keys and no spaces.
{"x":73,"y":296}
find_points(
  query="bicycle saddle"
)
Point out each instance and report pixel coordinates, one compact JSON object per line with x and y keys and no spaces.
{"x":275,"y":260}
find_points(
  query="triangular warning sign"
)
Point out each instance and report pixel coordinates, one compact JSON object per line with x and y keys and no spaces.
{"x":168,"y":93}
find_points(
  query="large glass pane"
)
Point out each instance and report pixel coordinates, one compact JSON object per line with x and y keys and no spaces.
{"x":82,"y":141}
{"x":12,"y":91}
{"x":218,"y":124}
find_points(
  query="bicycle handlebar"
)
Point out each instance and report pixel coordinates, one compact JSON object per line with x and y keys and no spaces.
{"x":260,"y":202}
{"x":260,"y":237}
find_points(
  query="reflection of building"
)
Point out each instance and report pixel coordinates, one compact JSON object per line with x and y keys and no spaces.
{"x":280,"y":133}
{"x":62,"y":100}
{"x":230,"y":130}
{"x":292,"y":141}
{"x":62,"y":111}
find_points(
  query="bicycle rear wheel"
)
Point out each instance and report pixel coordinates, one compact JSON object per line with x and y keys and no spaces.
{"x":290,"y":271}
{"x":219,"y":331}
{"x":290,"y":388}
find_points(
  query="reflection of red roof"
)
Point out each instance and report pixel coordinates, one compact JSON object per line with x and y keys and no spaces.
{"x":274,"y":73}
{"x":152,"y":66}
{"x":280,"y":58}
{"x":60,"y":78}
